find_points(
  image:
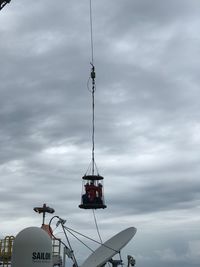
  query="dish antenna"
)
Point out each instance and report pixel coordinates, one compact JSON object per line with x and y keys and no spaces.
{"x":110,"y":248}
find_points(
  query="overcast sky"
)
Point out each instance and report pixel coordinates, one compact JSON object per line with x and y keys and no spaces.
{"x":147,"y":138}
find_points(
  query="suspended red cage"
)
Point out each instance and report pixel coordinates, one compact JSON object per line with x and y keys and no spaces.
{"x":92,"y":192}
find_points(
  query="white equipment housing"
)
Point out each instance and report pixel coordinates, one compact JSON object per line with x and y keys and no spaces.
{"x":32,"y":248}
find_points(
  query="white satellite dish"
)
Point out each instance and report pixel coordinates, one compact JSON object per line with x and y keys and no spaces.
{"x":110,"y":248}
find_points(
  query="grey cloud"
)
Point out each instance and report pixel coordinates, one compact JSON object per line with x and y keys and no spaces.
{"x":146,"y":119}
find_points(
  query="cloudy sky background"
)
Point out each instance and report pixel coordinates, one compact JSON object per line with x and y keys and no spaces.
{"x":146,"y":54}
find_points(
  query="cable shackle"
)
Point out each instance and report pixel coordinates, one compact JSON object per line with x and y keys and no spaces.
{"x":93,"y":74}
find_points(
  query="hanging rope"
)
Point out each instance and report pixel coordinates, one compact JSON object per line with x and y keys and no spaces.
{"x":91,"y":35}
{"x":95,"y":220}
{"x":93,"y":76}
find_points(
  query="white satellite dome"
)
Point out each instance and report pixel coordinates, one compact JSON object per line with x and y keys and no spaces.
{"x":32,"y":247}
